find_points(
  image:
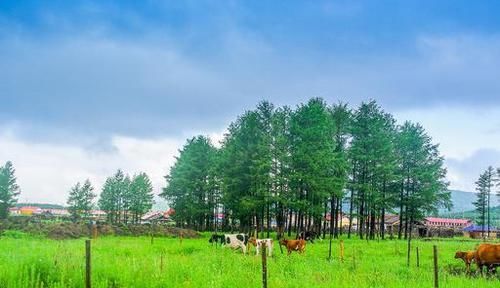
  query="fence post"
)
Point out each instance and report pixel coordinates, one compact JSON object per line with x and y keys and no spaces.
{"x":264,"y":265}
{"x":436,"y":279}
{"x":342,"y":251}
{"x":418,"y":258}
{"x":88,"y":267}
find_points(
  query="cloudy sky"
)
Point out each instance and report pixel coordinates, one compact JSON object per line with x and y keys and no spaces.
{"x":87,"y":87}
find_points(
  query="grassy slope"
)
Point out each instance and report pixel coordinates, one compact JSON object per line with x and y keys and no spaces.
{"x":135,"y":262}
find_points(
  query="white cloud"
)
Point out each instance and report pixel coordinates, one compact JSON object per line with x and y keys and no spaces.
{"x":46,"y":172}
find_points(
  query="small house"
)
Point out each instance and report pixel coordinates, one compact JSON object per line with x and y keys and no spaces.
{"x":480,"y":231}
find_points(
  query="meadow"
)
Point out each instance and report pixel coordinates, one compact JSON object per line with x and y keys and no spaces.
{"x":136,"y":262}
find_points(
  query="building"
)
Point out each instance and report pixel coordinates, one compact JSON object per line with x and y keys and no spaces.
{"x":446,"y":222}
{"x":477,"y":232}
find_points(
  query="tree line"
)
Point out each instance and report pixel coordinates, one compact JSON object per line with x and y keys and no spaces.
{"x":300,"y":168}
{"x":124,"y":199}
{"x":485,"y":187}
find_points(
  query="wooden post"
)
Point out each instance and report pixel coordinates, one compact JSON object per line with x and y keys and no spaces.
{"x":161,"y":262}
{"x":94,"y":231}
{"x":418,"y":258}
{"x":88,"y":266}
{"x":330,"y":248}
{"x":342,"y":251}
{"x":264,"y":265}
{"x":354,"y":259}
{"x":436,"y":279}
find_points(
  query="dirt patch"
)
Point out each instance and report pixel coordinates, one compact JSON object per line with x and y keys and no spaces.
{"x":70,"y":230}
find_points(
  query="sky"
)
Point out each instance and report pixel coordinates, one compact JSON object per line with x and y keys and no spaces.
{"x":89,"y":87}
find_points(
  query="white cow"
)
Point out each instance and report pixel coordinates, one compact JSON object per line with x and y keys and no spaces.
{"x":236,"y":241}
{"x":258,"y":243}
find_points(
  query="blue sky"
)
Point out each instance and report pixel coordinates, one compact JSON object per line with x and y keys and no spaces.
{"x":87,"y":87}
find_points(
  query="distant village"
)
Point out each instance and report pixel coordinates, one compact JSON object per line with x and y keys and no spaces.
{"x":95,"y":215}
{"x":428,"y":227}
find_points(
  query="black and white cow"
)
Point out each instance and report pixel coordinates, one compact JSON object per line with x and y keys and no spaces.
{"x":217,"y":238}
{"x":308,"y":236}
{"x":236,"y":241}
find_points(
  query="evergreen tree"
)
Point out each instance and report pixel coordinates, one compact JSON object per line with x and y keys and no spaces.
{"x":190,"y":188}
{"x":113,"y":199}
{"x":421,"y":175}
{"x":9,"y":190}
{"x":484,"y":186}
{"x":313,"y":160}
{"x":81,"y":200}
{"x":141,"y":196}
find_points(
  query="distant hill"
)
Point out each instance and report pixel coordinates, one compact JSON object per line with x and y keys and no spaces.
{"x":462,"y":202}
{"x":41,"y":205}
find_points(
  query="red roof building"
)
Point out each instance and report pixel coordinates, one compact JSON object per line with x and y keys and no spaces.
{"x":446,"y":222}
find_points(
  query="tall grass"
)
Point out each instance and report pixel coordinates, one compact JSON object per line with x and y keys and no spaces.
{"x":135,"y":262}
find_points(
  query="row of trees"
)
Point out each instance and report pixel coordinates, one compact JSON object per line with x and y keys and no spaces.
{"x":9,"y":190}
{"x":300,"y":167}
{"x":124,"y":199}
{"x":485,"y":186}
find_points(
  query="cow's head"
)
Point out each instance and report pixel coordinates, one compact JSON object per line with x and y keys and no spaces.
{"x":253,"y":241}
{"x":460,"y":255}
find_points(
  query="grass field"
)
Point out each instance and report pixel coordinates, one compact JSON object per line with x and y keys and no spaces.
{"x":135,"y":262}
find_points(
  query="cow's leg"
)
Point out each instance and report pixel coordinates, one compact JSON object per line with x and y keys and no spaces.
{"x":244,"y":248}
{"x":257,"y":250}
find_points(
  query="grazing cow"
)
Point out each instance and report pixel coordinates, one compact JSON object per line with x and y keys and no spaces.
{"x":258,"y":243}
{"x":487,"y":255}
{"x":217,"y":238}
{"x":236,"y":241}
{"x":467,"y":256}
{"x":308,"y":236}
{"x":294,"y":245}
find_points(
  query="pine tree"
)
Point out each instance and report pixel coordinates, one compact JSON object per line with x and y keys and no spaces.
{"x":484,"y":186}
{"x":9,"y":190}
{"x":189,"y":184}
{"x":141,"y":196}
{"x":114,"y":199}
{"x":81,"y":200}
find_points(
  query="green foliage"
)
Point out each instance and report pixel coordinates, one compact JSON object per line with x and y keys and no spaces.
{"x":126,"y":200}
{"x":282,"y":164}
{"x":192,"y":189}
{"x":81,"y":200}
{"x":484,"y":187}
{"x":9,"y":190}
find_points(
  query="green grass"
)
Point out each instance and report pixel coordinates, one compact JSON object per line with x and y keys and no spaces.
{"x":135,"y":262}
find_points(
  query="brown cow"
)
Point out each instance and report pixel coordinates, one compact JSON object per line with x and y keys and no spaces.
{"x":487,"y":255}
{"x":294,"y":245}
{"x":467,"y":256}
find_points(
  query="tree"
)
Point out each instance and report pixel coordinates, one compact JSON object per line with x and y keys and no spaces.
{"x":189,"y":189}
{"x":81,"y":200}
{"x":114,"y":197}
{"x":9,"y":190}
{"x":423,"y":187}
{"x":484,"y":186}
{"x":141,"y":196}
{"x":313,"y":160}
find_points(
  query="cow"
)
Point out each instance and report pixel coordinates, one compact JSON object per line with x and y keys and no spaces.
{"x":467,"y":256}
{"x":294,"y":245}
{"x":217,"y":238}
{"x":308,"y":236}
{"x":258,"y":243}
{"x":487,"y":255}
{"x":236,"y":241}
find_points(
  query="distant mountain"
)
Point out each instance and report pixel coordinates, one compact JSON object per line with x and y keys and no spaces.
{"x":462,"y":202}
{"x":41,"y":205}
